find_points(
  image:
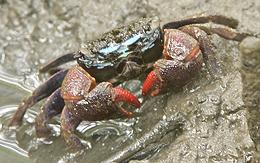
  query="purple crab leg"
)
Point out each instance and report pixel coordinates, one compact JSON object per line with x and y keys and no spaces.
{"x":218,"y":19}
{"x":57,"y":62}
{"x":223,"y":31}
{"x":44,"y":90}
{"x":52,"y":107}
{"x":69,"y":123}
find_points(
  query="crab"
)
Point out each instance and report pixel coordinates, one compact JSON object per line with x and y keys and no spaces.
{"x":171,"y":56}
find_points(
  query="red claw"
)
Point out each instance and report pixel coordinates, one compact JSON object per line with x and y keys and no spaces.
{"x":121,"y":94}
{"x":151,"y":84}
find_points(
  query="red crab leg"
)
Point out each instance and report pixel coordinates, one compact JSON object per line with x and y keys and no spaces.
{"x":123,"y":95}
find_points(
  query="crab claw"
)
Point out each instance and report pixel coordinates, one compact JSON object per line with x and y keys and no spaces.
{"x":169,"y":73}
{"x":123,"y":95}
{"x":98,"y":104}
{"x":166,"y":73}
{"x":152,"y":84}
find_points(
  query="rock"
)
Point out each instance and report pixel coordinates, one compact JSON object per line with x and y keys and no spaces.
{"x":251,"y":87}
{"x":216,"y":126}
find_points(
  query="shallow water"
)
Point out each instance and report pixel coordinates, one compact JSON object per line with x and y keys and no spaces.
{"x":33,"y":32}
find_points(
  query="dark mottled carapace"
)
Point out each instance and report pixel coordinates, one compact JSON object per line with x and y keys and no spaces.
{"x":107,"y":57}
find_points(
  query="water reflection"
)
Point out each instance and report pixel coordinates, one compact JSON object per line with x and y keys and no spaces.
{"x":8,"y":136}
{"x":97,"y":136}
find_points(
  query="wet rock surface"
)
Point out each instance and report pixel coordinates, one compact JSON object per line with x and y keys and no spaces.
{"x":251,"y":87}
{"x":210,"y":120}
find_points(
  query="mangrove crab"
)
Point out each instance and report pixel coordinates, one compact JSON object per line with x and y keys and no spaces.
{"x":178,"y":49}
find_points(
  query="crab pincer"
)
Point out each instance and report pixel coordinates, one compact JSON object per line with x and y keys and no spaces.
{"x":122,"y":95}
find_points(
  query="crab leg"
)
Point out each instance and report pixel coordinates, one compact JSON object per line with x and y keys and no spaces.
{"x":219,"y":19}
{"x":44,"y":90}
{"x":222,"y":31}
{"x":57,"y":62}
{"x":69,"y":123}
{"x":52,"y":107}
